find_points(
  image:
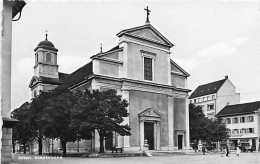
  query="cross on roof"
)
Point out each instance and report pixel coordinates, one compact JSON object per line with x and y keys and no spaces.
{"x":147,"y":14}
{"x":101,"y":47}
{"x":46,"y":34}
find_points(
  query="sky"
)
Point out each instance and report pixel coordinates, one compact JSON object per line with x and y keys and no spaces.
{"x":211,"y":39}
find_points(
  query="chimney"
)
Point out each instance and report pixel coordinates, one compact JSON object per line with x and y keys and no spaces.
{"x":226,"y":77}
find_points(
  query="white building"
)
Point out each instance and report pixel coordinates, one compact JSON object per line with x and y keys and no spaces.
{"x":243,"y":124}
{"x":213,"y":97}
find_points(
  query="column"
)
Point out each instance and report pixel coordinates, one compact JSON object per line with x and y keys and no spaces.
{"x":141,"y":135}
{"x":170,"y":123}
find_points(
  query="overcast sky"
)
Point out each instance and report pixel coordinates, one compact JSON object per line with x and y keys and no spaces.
{"x":211,"y":38}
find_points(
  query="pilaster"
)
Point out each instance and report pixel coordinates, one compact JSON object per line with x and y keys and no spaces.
{"x":141,"y":135}
{"x":170,"y":123}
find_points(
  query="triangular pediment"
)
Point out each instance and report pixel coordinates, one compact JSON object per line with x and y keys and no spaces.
{"x":176,"y":69}
{"x":33,"y":81}
{"x":146,"y":32}
{"x":150,"y":112}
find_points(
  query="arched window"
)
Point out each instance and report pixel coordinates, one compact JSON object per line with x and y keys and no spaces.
{"x":48,"y":57}
{"x":34,"y":94}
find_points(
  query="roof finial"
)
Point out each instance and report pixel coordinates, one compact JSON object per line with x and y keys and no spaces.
{"x":46,"y":35}
{"x":147,"y":14}
{"x":101,"y":47}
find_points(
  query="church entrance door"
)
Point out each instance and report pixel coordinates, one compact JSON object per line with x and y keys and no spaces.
{"x":179,"y":141}
{"x":149,"y":134}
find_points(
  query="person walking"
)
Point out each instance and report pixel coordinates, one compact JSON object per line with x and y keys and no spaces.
{"x":238,"y":152}
{"x":203,"y":150}
{"x":227,"y":152}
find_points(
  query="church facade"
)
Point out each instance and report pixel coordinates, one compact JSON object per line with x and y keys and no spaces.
{"x":141,"y":70}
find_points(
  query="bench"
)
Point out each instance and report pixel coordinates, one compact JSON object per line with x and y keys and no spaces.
{"x":117,"y":149}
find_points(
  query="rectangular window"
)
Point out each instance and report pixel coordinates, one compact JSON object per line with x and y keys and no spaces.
{"x":204,"y":98}
{"x":210,"y":107}
{"x":228,"y":120}
{"x":250,"y":118}
{"x":251,"y":130}
{"x":213,"y":96}
{"x":235,"y":120}
{"x":148,"y":69}
{"x":242,"y":119}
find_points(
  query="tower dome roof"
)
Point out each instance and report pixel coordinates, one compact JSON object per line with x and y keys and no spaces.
{"x":46,"y":45}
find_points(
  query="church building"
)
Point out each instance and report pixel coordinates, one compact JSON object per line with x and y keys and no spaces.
{"x":140,"y":69}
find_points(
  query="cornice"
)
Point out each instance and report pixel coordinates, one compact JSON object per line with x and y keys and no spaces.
{"x":109,"y":60}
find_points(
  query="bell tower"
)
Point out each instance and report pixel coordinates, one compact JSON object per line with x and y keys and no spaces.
{"x":46,"y":75}
{"x":46,"y":59}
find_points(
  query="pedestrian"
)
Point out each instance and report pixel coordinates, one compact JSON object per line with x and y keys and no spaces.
{"x":222,"y":151}
{"x":203,"y":150}
{"x":238,"y":152}
{"x":227,"y":152}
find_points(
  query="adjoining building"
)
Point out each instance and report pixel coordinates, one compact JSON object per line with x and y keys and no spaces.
{"x":141,"y":70}
{"x":243,"y":125}
{"x":213,"y":97}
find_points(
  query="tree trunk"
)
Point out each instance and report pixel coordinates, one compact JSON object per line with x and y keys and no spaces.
{"x":101,"y":150}
{"x":63,"y":144}
{"x":40,"y":145}
{"x":13,"y":147}
{"x":24,"y":148}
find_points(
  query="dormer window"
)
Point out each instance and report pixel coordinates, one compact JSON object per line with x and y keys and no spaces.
{"x":48,"y":57}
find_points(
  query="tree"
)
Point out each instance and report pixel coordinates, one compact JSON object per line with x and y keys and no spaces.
{"x":37,"y":109}
{"x":104,"y":112}
{"x":216,"y":131}
{"x":197,"y":121}
{"x":23,"y":131}
{"x":58,"y":117}
{"x":203,"y":128}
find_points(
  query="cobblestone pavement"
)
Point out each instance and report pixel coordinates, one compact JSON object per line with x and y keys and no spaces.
{"x":245,"y":158}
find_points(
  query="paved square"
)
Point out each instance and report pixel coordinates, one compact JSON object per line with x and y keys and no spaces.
{"x":245,"y":158}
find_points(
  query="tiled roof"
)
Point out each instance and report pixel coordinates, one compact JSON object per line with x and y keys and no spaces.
{"x":113,"y":49}
{"x":78,"y":75}
{"x":206,"y":89}
{"x":100,"y":53}
{"x":245,"y":108}
{"x":63,"y":76}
